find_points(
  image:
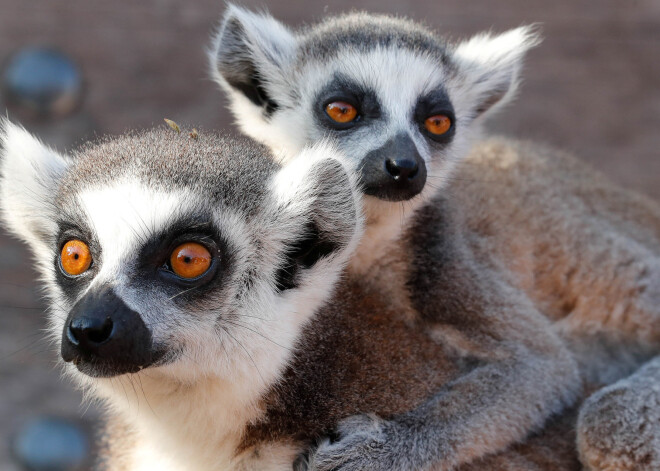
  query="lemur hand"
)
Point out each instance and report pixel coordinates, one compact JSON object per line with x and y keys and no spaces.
{"x":364,"y":442}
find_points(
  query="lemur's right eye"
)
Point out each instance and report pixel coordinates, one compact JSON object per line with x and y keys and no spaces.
{"x":341,"y":112}
{"x":190,"y":260}
{"x":75,"y":257}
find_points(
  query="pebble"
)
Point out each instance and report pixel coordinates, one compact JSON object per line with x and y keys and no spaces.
{"x":42,"y":82}
{"x":51,"y":444}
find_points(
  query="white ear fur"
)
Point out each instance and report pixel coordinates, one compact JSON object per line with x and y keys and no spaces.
{"x":249,"y":46}
{"x":29,"y":172}
{"x":491,"y":65}
{"x":318,"y":181}
{"x":303,"y":177}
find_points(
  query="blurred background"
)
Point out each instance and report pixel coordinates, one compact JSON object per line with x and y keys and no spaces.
{"x":74,"y":69}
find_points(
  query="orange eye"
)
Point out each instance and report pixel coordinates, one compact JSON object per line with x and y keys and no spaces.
{"x":75,"y":257}
{"x":190,"y":260}
{"x":438,"y":124}
{"x":341,"y":112}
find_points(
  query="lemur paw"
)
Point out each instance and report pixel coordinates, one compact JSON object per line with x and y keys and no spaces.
{"x":619,"y":426}
{"x":364,"y":442}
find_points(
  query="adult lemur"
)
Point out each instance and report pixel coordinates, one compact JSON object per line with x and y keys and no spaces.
{"x":189,"y":282}
{"x":569,"y":263}
{"x":180,"y":272}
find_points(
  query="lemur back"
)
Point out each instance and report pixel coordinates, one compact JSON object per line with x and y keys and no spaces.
{"x":536,"y":233}
{"x":586,"y":250}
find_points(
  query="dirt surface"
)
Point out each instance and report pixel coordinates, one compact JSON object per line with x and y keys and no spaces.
{"x":592,"y":87}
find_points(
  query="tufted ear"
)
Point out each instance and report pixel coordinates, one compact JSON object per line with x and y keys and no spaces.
{"x":320,"y":202}
{"x":248,"y":53}
{"x":490,"y":66}
{"x":29,"y":174}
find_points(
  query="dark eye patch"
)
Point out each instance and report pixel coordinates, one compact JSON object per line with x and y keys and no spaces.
{"x":154,"y":256}
{"x":434,"y":103}
{"x":341,"y":88}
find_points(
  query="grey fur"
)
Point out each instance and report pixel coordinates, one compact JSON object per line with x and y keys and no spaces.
{"x":214,"y":165}
{"x":362,"y":32}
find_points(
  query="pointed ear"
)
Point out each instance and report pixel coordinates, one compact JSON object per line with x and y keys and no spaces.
{"x":318,"y":198}
{"x":250,"y":51}
{"x":491,"y":65}
{"x":29,"y":174}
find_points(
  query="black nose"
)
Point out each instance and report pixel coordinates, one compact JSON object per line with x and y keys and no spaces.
{"x":89,"y":332}
{"x":104,"y":337}
{"x":402,"y":169}
{"x":394,"y":172}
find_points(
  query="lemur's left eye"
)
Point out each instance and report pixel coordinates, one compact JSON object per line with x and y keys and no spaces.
{"x":438,"y":124}
{"x":190,"y":260}
{"x":341,"y":112}
{"x":75,"y":258}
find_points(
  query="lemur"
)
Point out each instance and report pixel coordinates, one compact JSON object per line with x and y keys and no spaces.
{"x":406,"y":107}
{"x":193,"y":287}
{"x":179,"y":273}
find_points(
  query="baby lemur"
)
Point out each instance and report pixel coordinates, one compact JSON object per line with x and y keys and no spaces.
{"x":192,"y":290}
{"x":551,"y":253}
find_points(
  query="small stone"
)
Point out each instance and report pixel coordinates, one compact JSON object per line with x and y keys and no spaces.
{"x":51,"y":444}
{"x":42,"y":82}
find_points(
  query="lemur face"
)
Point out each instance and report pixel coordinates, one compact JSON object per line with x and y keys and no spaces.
{"x":401,"y":103}
{"x":177,"y":254}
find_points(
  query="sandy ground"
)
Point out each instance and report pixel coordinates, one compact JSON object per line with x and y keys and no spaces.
{"x":593,"y":87}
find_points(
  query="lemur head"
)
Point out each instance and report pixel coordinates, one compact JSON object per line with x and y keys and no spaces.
{"x":401,"y":103}
{"x":190,"y":257}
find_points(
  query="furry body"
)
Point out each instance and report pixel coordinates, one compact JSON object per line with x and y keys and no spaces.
{"x":524,"y":261}
{"x":501,"y":182}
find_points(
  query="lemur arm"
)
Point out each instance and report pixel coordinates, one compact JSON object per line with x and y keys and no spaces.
{"x":461,"y":423}
{"x":523,"y":374}
{"x":552,"y":449}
